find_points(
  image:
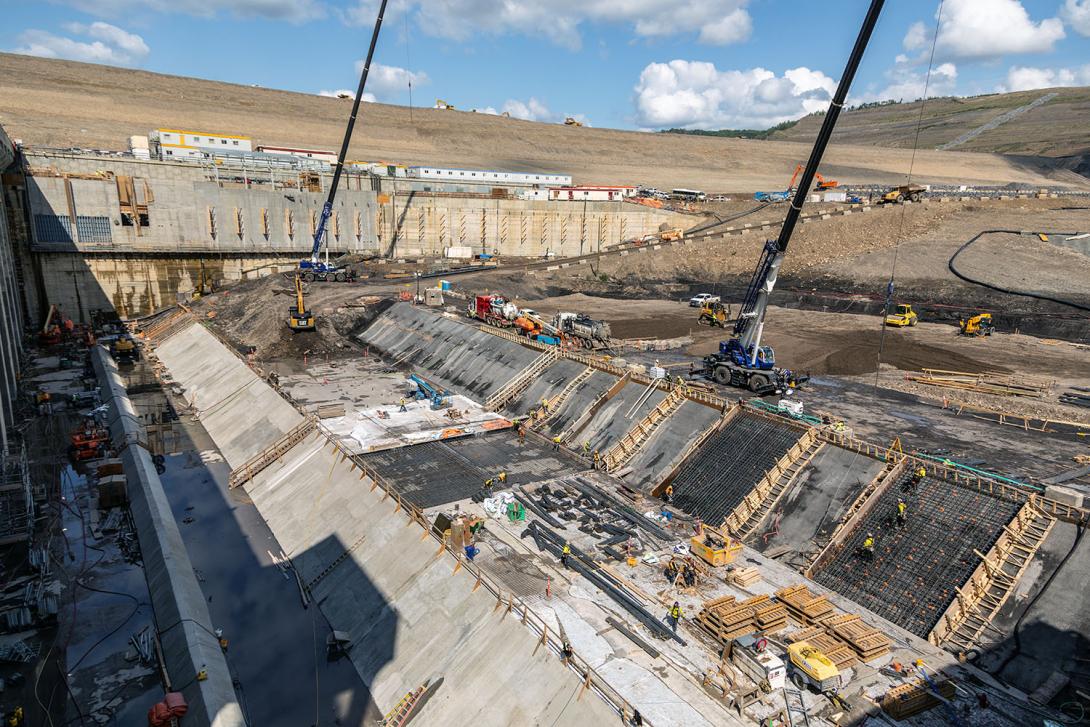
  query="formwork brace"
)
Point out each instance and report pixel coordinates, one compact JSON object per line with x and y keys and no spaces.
{"x":628,"y":445}
{"x":251,"y":467}
{"x":555,"y":402}
{"x":755,"y":507}
{"x":976,"y":604}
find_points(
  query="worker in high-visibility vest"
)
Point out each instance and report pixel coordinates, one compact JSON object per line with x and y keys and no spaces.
{"x":556,"y":443}
{"x":868,"y":545}
{"x":565,"y":553}
{"x":668,"y":494}
{"x":674,"y":615}
{"x":488,"y":484}
{"x":586,"y":448}
{"x":902,"y":509}
{"x":544,"y":405}
{"x":596,"y":458}
{"x":402,"y":403}
{"x":502,"y":477}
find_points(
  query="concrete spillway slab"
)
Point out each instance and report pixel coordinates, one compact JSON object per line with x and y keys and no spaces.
{"x":437,"y":473}
{"x":409,"y":615}
{"x":716,"y":479}
{"x":910,"y":579}
{"x":812,"y":507}
{"x":241,"y":413}
{"x":548,"y":383}
{"x":579,"y":400}
{"x":660,"y":453}
{"x":616,"y":417}
{"x":451,"y":353}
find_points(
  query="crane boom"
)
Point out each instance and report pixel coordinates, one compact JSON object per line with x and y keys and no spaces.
{"x":327,"y":210}
{"x":751,"y":319}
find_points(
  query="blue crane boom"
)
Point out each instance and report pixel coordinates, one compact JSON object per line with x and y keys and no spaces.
{"x":314,"y":268}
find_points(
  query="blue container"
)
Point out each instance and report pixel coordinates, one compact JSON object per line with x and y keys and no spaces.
{"x":444,"y":284}
{"x":549,"y":340}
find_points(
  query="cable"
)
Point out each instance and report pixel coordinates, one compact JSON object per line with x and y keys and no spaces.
{"x":1037,"y":296}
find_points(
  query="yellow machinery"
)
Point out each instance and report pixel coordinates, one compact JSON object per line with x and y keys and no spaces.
{"x":897,"y":195}
{"x":569,"y":121}
{"x":671,"y":235}
{"x":978,"y":325}
{"x":299,"y":318}
{"x":714,"y":547}
{"x":809,"y":667}
{"x":904,"y":316}
{"x":714,"y":313}
{"x":124,"y":349}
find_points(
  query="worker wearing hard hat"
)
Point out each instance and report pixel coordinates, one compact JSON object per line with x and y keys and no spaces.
{"x":565,"y":553}
{"x":674,"y":615}
{"x":556,"y":443}
{"x":668,"y":494}
{"x":868,"y":545}
{"x":902,"y":512}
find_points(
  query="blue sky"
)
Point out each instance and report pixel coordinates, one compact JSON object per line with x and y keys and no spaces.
{"x":616,"y":63}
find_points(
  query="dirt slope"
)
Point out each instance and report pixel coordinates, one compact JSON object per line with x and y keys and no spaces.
{"x":63,"y":104}
{"x":1056,"y":128}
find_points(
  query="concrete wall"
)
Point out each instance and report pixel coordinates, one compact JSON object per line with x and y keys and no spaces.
{"x":12,"y":314}
{"x":181,"y":614}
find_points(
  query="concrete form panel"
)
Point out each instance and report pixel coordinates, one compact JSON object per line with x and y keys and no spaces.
{"x":660,"y":453}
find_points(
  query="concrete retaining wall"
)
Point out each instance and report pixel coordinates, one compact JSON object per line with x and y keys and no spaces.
{"x":181,"y":613}
{"x":240,"y":412}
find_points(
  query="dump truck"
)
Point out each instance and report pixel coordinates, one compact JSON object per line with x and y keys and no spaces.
{"x":583,"y":330}
{"x":978,"y":325}
{"x":811,"y":668}
{"x":903,"y":193}
{"x":904,"y":316}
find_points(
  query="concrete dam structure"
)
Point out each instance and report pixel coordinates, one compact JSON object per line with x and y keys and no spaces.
{"x":98,"y":232}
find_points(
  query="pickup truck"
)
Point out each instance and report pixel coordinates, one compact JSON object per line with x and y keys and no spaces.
{"x":698,"y":301}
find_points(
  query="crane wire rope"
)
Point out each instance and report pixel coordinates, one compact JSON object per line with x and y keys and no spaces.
{"x":899,"y":237}
{"x":893,"y":266}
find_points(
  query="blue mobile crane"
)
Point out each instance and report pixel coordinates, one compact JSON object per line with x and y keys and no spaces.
{"x":314,"y":268}
{"x":742,"y":360}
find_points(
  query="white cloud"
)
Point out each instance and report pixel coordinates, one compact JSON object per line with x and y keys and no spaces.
{"x":1023,"y":78}
{"x":917,"y":36}
{"x":715,"y":22}
{"x":906,"y":83}
{"x":983,"y":29}
{"x":295,"y":11}
{"x":386,"y":81}
{"x":108,"y":44}
{"x":531,"y":110}
{"x":1077,"y":14}
{"x":697,"y":95}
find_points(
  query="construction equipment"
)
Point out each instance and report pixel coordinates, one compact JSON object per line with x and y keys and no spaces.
{"x":583,"y":330}
{"x":493,"y":309}
{"x":824,"y":184}
{"x":904,"y":316}
{"x":315,"y":268}
{"x":811,"y":668}
{"x":714,"y":313}
{"x":782,"y":196}
{"x":533,"y":326}
{"x":124,"y":349}
{"x":978,"y":325}
{"x":742,"y":360}
{"x":671,"y":235}
{"x":571,"y":121}
{"x":441,"y":104}
{"x":754,"y":659}
{"x":424,"y":390}
{"x":299,"y":318}
{"x":897,"y":195}
{"x":714,"y":547}
{"x":51,"y":331}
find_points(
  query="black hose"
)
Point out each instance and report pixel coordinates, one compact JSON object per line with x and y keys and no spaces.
{"x":1037,"y":296}
{"x":1029,"y":606}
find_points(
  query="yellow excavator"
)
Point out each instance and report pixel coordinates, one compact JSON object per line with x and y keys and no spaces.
{"x":978,"y":325}
{"x":299,"y":318}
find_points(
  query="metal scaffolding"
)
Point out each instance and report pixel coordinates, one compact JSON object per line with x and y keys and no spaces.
{"x":16,"y":498}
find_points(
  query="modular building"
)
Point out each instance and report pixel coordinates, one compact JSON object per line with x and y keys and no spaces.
{"x":317,"y":154}
{"x":181,"y":144}
{"x":480,"y":176}
{"x":590,"y":194}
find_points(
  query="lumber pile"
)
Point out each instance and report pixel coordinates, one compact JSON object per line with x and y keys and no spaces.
{"x":726,"y":618}
{"x":983,"y":383}
{"x":844,"y":638}
{"x":744,"y":577}
{"x":804,"y":606}
{"x":910,"y":699}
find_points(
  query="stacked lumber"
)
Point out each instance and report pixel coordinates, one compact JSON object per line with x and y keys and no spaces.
{"x":867,"y":642}
{"x":744,"y":577}
{"x":984,"y":383}
{"x":910,"y":699}
{"x":726,"y":618}
{"x":804,"y":606}
{"x":838,"y":652}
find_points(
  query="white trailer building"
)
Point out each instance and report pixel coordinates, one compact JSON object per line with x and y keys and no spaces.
{"x":181,"y":144}
{"x":590,"y":194}
{"x":481,"y":176}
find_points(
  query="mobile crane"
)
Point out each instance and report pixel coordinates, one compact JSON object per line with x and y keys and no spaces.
{"x":742,"y":360}
{"x":315,"y":268}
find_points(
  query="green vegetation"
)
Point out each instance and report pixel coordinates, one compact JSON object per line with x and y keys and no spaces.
{"x":734,"y":133}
